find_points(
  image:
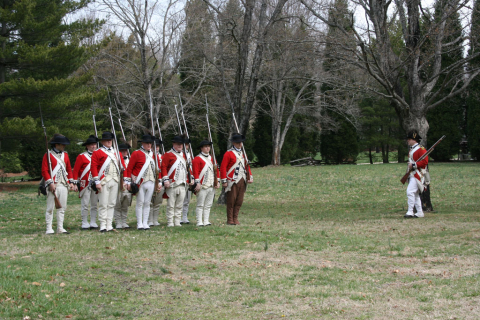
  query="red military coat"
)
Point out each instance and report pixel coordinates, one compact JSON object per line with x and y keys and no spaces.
{"x":81,"y":170}
{"x":53,"y":160}
{"x":137,"y":160}
{"x":197,"y":167}
{"x":168,"y":160}
{"x":98,"y":158}
{"x":229,"y":160}
{"x":415,"y":153}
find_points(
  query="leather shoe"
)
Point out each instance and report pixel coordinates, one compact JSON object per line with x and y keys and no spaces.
{"x":103,"y":230}
{"x":93,"y":228}
{"x":140,"y":229}
{"x":407,"y":216}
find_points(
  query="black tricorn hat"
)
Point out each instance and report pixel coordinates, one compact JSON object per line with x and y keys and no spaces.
{"x":414,"y":135}
{"x":204,"y":142}
{"x":237,"y":137}
{"x":124,"y":146}
{"x":107,"y":135}
{"x":146,"y":138}
{"x":59,"y":139}
{"x":158,"y":141}
{"x":178,"y":139}
{"x":91,"y":139}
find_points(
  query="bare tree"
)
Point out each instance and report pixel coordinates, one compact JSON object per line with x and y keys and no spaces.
{"x":415,"y":58}
{"x":148,"y":58}
{"x":287,"y":82}
{"x":258,"y":21}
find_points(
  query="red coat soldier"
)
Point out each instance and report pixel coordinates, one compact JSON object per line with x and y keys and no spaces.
{"x":58,"y":182}
{"x":82,"y":174}
{"x":204,"y":174}
{"x":107,"y":168}
{"x":175,"y":176}
{"x":417,"y":176}
{"x":233,"y":173}
{"x":142,"y":171}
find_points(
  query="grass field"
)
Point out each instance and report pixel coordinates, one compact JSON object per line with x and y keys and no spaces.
{"x":314,"y":242}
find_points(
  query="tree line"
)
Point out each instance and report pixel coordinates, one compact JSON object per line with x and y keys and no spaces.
{"x":303,"y":77}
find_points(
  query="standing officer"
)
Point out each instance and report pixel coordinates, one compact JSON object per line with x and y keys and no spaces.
{"x":125,"y":198}
{"x":174,"y":173}
{"x":106,"y":173}
{"x":57,"y":183}
{"x":141,"y":171}
{"x":203,"y":171}
{"x":157,"y":197}
{"x":417,"y":175}
{"x":82,"y":174}
{"x":234,"y":178}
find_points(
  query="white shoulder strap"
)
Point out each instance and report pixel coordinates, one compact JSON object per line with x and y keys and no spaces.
{"x":148,"y":160}
{"x":87,"y":168}
{"x":208,"y":164}
{"x":60,"y":164}
{"x":105,"y":165}
{"x":175,"y":165}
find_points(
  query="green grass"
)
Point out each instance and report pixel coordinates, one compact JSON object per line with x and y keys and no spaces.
{"x":315,"y":242}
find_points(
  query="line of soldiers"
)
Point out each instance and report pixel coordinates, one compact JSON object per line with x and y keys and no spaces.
{"x":97,"y":175}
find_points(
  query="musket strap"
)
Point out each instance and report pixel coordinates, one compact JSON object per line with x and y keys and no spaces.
{"x":148,"y":161}
{"x":87,"y":168}
{"x":208,"y":165}
{"x":109,"y":157}
{"x":60,"y":164}
{"x":175,"y":164}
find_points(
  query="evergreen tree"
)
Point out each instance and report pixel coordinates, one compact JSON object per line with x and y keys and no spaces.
{"x":39,"y":58}
{"x":473,"y":96}
{"x":338,"y":144}
{"x":447,"y":118}
{"x":380,"y":127}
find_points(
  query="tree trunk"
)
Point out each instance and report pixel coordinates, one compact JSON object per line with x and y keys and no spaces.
{"x":370,"y":154}
{"x":2,"y":61}
{"x":426,"y":202}
{"x":385,"y":159}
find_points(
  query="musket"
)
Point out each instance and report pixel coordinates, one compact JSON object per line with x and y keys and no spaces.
{"x":215,"y":165}
{"x":160,"y":135}
{"x":95,"y":123}
{"x":184,"y":146}
{"x":121,"y":127}
{"x":58,"y":205}
{"x":247,"y":163}
{"x":157,"y":171}
{"x":186,"y":130}
{"x":119,"y":156}
{"x":405,"y":177}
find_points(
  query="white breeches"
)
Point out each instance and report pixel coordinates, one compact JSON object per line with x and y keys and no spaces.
{"x":107,"y":199}
{"x":176,"y":196}
{"x":142,"y":209}
{"x":89,"y":198}
{"x":157,"y":200}
{"x":204,"y":204}
{"x":413,"y":197}
{"x":186,"y":203}
{"x":62,"y":194}
{"x":121,"y":209}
